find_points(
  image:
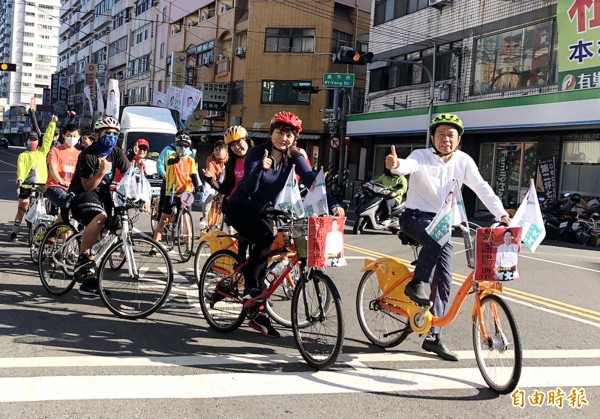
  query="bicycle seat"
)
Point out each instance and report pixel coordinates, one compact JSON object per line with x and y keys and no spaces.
{"x":406,"y":240}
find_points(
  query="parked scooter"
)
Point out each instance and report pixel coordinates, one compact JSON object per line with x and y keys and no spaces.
{"x":368,"y":209}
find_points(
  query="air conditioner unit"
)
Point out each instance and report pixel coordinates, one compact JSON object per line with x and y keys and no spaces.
{"x":220,"y":57}
{"x":439,"y":4}
{"x":240,"y":52}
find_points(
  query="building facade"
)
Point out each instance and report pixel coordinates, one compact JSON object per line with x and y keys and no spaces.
{"x":529,"y":111}
{"x":29,"y":32}
{"x":248,"y":54}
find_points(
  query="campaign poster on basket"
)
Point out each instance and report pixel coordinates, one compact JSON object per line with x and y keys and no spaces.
{"x":326,"y":242}
{"x":497,"y":253}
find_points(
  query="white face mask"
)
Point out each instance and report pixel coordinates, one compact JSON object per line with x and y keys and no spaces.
{"x":72,"y":141}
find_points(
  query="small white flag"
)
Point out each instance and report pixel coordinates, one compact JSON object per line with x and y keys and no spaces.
{"x":529,"y":216}
{"x":88,"y":95}
{"x":315,"y":201}
{"x":289,"y":198}
{"x":440,"y":228}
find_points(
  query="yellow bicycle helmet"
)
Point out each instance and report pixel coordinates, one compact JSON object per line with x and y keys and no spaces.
{"x":234,"y":133}
{"x":447,"y":118}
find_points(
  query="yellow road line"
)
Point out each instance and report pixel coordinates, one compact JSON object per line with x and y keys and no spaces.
{"x":534,"y":298}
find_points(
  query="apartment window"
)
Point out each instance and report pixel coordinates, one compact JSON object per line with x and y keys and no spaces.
{"x":142,"y":34}
{"x":138,"y":66}
{"x":120,"y":18}
{"x":29,"y":24}
{"x":42,"y":58}
{"x":141,"y":6}
{"x":386,"y":10}
{"x":515,"y":59}
{"x":204,"y":53}
{"x":138,"y":94}
{"x":281,"y":92}
{"x":99,"y":56}
{"x":401,"y":74}
{"x":117,"y":47}
{"x":162,"y":50}
{"x":237,"y":92}
{"x":289,"y":40}
{"x":341,"y":39}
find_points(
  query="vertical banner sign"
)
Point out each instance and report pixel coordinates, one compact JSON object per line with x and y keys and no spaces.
{"x":326,"y":241}
{"x":502,"y":176}
{"x":578,"y":52}
{"x":174,"y":98}
{"x":178,"y":68}
{"x":54,"y":86}
{"x":546,"y":177}
{"x":190,"y":99}
{"x":113,"y":98}
{"x":497,"y":253}
{"x":159,"y":99}
{"x":90,"y":83}
{"x":99,"y":100}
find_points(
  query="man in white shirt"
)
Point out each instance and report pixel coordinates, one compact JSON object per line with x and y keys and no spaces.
{"x":432,"y":172}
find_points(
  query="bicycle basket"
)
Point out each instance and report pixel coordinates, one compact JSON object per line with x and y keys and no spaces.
{"x":300,"y":236}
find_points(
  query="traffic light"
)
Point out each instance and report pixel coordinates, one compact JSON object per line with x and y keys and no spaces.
{"x":347,"y":55}
{"x":8,"y":67}
{"x":304,"y":87}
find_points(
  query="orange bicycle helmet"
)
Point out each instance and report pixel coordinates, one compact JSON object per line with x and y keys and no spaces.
{"x":287,"y":118}
{"x":234,"y":133}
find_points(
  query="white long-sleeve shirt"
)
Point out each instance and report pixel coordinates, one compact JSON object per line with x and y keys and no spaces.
{"x":431,"y":179}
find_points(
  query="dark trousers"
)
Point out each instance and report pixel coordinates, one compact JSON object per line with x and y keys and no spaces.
{"x":387,"y":206}
{"x":434,"y":264}
{"x":258,"y":230}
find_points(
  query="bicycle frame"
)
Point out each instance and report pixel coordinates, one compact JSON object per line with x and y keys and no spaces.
{"x":421,"y":319}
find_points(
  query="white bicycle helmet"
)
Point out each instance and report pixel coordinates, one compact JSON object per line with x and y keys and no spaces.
{"x":106,"y":123}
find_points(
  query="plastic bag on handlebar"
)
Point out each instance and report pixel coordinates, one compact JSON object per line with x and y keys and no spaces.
{"x":36,"y":211}
{"x":134,"y":184}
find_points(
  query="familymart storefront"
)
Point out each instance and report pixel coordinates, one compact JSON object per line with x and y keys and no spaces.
{"x":553,"y":138}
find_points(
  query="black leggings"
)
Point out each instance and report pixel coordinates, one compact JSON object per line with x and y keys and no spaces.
{"x":258,"y":230}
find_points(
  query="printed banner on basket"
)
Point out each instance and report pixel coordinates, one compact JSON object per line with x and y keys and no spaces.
{"x":497,"y":253}
{"x":326,"y":241}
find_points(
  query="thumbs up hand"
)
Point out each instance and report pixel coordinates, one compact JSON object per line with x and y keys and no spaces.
{"x":391,"y":160}
{"x":267,"y":161}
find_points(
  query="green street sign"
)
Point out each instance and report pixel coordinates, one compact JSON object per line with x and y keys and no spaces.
{"x":338,"y":80}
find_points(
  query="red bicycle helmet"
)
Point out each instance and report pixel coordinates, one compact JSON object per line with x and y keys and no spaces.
{"x":287,"y":118}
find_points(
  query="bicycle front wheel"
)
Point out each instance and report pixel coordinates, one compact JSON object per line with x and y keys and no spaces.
{"x":318,"y":327}
{"x":224,"y":310}
{"x":141,"y":293}
{"x":184,"y":236}
{"x":381,"y":326}
{"x":57,"y":258}
{"x":202,"y":255}
{"x":154,"y":213}
{"x":499,"y":356}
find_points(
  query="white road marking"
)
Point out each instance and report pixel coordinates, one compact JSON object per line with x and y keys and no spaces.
{"x":201,"y":386}
{"x":256,"y":359}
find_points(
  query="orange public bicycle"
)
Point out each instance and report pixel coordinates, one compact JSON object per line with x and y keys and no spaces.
{"x":387,"y":316}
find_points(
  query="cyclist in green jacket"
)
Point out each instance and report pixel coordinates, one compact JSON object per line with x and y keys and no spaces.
{"x":399,"y":185}
{"x":31,"y":168}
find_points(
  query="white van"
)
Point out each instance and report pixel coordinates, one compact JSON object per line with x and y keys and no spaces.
{"x":157,"y":125}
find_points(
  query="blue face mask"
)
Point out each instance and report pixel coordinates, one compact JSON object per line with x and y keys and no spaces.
{"x":106,"y":143}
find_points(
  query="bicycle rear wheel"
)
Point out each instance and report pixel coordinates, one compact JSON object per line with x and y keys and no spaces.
{"x":321,"y":339}
{"x":202,"y":255}
{"x":223,"y":313}
{"x":154,"y":212}
{"x":184,"y":236}
{"x":499,"y":358}
{"x":381,"y":326}
{"x":34,"y":248}
{"x":135,"y":296}
{"x":56,"y":260}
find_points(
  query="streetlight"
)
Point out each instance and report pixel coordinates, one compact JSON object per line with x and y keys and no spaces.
{"x":431,"y":87}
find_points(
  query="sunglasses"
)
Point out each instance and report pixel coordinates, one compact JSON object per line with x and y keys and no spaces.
{"x":142,"y":148}
{"x":183,"y":144}
{"x":112,"y":132}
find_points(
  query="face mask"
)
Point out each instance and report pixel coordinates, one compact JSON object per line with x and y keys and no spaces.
{"x":106,"y":143}
{"x":32,"y":145}
{"x":181,"y":151}
{"x":72,"y":141}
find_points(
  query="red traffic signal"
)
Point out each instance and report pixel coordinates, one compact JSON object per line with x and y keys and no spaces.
{"x":8,"y":67}
{"x":347,"y":55}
